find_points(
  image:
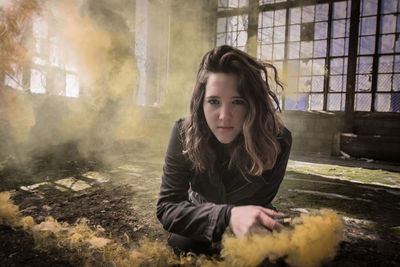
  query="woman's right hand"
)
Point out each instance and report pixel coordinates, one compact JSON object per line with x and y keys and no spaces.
{"x":253,"y":220}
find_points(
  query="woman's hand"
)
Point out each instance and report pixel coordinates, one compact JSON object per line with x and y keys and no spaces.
{"x":253,"y":220}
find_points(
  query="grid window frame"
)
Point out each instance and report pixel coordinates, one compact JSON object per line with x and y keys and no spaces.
{"x":333,"y":28}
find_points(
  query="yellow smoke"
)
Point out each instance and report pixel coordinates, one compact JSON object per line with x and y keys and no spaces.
{"x":313,"y":239}
{"x":108,"y":77}
{"x":106,"y":110}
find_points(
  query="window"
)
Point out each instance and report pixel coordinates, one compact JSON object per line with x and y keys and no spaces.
{"x":52,"y":71}
{"x":232,"y":31}
{"x":387,"y":96}
{"x":338,"y":55}
{"x":306,"y":59}
{"x":309,"y":45}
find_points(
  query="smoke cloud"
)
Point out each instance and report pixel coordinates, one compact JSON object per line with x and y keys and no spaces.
{"x":96,"y":41}
{"x":313,"y":239}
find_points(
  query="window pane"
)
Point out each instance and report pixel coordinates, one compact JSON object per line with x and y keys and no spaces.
{"x":294,"y":49}
{"x":306,"y":49}
{"x":38,"y":81}
{"x":388,"y":24}
{"x":317,"y":84}
{"x":279,"y":51}
{"x":368,"y":25}
{"x":221,"y":25}
{"x":335,"y":83}
{"x":388,"y":6}
{"x":294,"y":33}
{"x":386,"y":43}
{"x":267,"y":19}
{"x":363,"y":83}
{"x":384,"y":83}
{"x":291,"y":102}
{"x":305,"y":67}
{"x":279,"y":34}
{"x":385,"y":64}
{"x":337,"y":47}
{"x":395,"y":102}
{"x":242,"y":23}
{"x":397,"y":45}
{"x":363,"y":102}
{"x":364,"y":65}
{"x":232,"y":23}
{"x":294,"y":15}
{"x":336,"y":66}
{"x":396,"y":82}
{"x":320,"y":30}
{"x":339,"y":28}
{"x":339,"y":10}
{"x":303,"y":101}
{"x":72,"y":85}
{"x":231,"y":38}
{"x":221,"y":39}
{"x":335,"y":102}
{"x":307,"y":14}
{"x":317,"y":101}
{"x":241,"y":38}
{"x":305,"y":84}
{"x":321,"y":12}
{"x":280,"y":17}
{"x":15,"y":80}
{"x":320,"y":48}
{"x":266,"y":52}
{"x":319,"y":67}
{"x":397,"y":63}
{"x":266,"y":35}
{"x":367,"y":45}
{"x":369,"y":7}
{"x":382,"y":102}
{"x":346,"y":46}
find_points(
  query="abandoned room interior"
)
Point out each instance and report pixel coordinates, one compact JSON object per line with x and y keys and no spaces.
{"x":90,"y":90}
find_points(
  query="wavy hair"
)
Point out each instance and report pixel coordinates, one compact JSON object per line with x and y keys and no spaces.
{"x":257,"y":147}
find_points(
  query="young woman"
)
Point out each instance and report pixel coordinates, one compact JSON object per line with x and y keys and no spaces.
{"x":226,"y":160}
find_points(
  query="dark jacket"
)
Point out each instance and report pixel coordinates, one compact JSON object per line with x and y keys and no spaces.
{"x":196,"y":205}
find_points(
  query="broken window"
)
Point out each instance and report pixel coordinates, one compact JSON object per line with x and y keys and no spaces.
{"x":307,"y":52}
{"x":309,"y":44}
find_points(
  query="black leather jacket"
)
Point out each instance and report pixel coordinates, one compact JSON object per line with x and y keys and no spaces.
{"x":195,"y":205}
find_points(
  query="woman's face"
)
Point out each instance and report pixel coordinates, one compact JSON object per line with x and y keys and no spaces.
{"x":224,"y":108}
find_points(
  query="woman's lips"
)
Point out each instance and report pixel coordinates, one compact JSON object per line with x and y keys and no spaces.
{"x":225,"y":127}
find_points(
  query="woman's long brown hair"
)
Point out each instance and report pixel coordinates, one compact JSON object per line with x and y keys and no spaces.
{"x":256,"y":148}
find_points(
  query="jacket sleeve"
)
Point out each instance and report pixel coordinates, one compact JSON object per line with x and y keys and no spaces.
{"x":174,"y":210}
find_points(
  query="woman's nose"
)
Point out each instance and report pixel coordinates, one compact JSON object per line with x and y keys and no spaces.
{"x":225,"y":112}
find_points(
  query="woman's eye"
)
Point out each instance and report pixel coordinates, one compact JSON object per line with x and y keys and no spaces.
{"x":213,"y":101}
{"x":238,"y":101}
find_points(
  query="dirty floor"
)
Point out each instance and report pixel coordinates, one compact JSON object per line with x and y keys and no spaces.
{"x":120,"y":199}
